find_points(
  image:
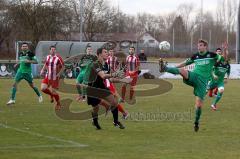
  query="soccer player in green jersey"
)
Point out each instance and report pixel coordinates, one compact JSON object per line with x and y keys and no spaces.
{"x":84,"y":65}
{"x":26,"y":58}
{"x":220,"y":69}
{"x":199,"y":77}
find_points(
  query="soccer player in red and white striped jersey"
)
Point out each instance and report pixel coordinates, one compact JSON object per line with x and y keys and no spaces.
{"x":54,"y":65}
{"x":132,"y":68}
{"x":112,"y":61}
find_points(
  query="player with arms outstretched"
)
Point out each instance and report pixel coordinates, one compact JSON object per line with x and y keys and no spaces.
{"x":26,"y":58}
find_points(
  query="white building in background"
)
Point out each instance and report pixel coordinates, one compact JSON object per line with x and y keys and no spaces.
{"x":148,"y":40}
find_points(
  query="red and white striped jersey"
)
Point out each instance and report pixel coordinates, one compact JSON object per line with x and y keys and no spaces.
{"x":112,"y":62}
{"x":54,"y":64}
{"x":132,"y":62}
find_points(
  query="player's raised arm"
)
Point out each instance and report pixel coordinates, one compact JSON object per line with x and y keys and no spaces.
{"x":225,"y":50}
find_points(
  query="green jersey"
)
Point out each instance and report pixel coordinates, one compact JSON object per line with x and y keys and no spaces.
{"x":220,"y":69}
{"x":26,"y":67}
{"x":85,"y":63}
{"x":86,"y":60}
{"x":204,"y":63}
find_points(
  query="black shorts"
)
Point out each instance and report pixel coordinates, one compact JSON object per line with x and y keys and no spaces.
{"x":93,"y":101}
{"x":95,"y":94}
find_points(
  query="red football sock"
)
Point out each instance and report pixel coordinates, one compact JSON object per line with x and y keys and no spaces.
{"x":210,"y":93}
{"x":215,"y":91}
{"x":123,"y":92}
{"x":56,"y":96}
{"x":121,"y":109}
{"x":131,"y":93}
{"x":104,"y":104}
{"x":47,"y":91}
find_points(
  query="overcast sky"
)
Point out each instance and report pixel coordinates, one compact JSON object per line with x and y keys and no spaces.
{"x":160,"y":6}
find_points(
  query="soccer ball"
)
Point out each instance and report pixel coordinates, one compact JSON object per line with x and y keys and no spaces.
{"x":164,"y":46}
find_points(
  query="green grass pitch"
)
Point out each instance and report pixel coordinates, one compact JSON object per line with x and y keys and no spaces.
{"x":29,"y":130}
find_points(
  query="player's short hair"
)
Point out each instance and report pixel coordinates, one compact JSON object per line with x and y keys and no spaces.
{"x":205,"y":43}
{"x":132,"y":47}
{"x":88,"y":45}
{"x":24,"y":43}
{"x":99,"y":50}
{"x":219,"y":49}
{"x":52,"y":46}
{"x":111,"y":49}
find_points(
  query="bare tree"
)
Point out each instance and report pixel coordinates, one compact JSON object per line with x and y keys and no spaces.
{"x":37,"y":19}
{"x":185,"y":10}
{"x":6,"y":26}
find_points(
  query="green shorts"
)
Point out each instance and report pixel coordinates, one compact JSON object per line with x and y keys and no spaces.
{"x":83,"y":76}
{"x":199,"y":84}
{"x":215,"y":84}
{"x":80,"y":78}
{"x":27,"y":76}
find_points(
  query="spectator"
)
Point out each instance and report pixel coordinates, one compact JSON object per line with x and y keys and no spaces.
{"x":142,"y":57}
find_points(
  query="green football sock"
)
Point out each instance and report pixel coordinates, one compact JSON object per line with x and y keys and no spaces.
{"x":79,"y":89}
{"x":198,"y":113}
{"x":173,"y":70}
{"x":13,"y":93}
{"x":217,"y":98}
{"x":36,"y":91}
{"x":84,"y":91}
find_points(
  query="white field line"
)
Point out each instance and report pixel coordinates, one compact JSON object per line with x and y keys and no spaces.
{"x":39,"y":146}
{"x":73,"y":143}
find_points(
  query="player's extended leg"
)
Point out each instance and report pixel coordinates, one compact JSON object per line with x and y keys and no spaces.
{"x":124,"y":88}
{"x":120,"y":106}
{"x":45,"y":89}
{"x":40,"y":98}
{"x":114,"y":104}
{"x":174,"y":70}
{"x":95,"y":117}
{"x":116,"y":95}
{"x":29,"y":78}
{"x":18,"y":78}
{"x":13,"y":93}
{"x":198,"y":112}
{"x":57,"y":99}
{"x":124,"y":112}
{"x":217,"y":98}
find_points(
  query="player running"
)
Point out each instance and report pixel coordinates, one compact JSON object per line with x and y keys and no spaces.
{"x":199,"y":77}
{"x":26,"y":58}
{"x":54,"y":66}
{"x":132,"y":69}
{"x":220,"y":69}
